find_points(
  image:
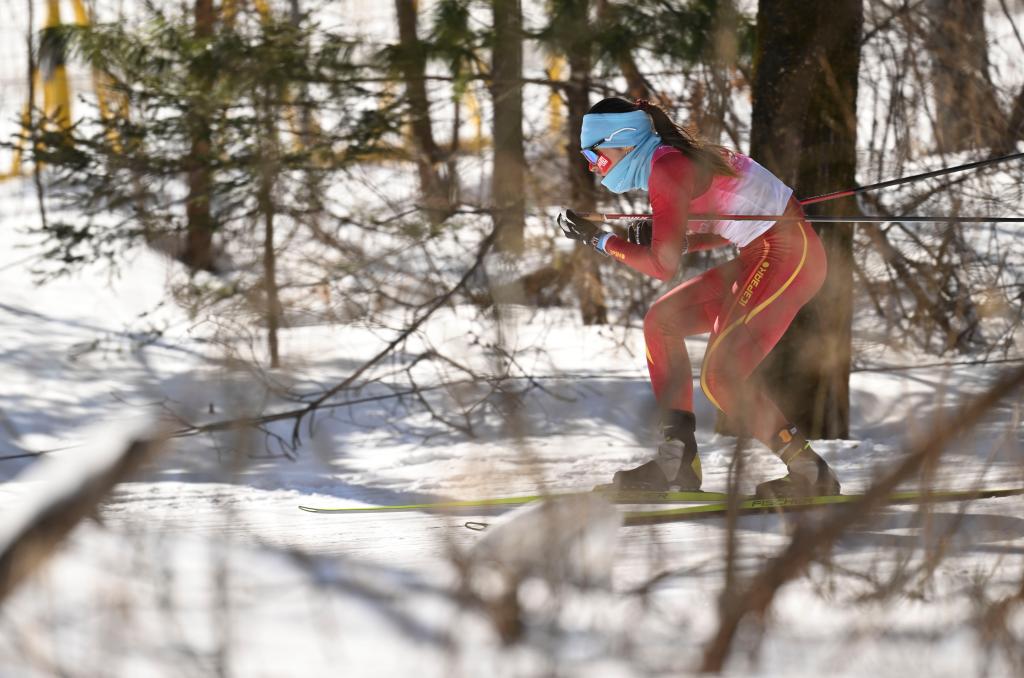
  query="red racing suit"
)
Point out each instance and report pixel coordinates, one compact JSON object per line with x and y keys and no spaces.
{"x":746,"y":303}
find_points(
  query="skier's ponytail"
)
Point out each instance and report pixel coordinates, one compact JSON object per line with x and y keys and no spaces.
{"x":711,"y":157}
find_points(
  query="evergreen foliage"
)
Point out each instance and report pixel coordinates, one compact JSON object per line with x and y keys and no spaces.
{"x":125,"y":172}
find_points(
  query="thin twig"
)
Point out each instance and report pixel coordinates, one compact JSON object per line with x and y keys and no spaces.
{"x":808,"y":541}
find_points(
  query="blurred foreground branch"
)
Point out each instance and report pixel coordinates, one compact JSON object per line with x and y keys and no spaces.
{"x":810,"y":540}
{"x":65,"y":495}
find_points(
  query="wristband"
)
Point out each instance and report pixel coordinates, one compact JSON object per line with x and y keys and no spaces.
{"x":599,"y":240}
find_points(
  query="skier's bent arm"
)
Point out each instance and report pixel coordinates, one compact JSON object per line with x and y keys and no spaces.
{"x":670,"y":188}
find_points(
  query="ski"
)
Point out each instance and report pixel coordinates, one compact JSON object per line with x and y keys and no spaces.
{"x":750,"y":505}
{"x":622,"y":497}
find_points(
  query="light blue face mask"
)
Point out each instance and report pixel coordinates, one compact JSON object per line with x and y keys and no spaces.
{"x":621,"y":130}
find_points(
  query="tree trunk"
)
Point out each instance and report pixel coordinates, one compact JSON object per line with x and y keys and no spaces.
{"x":269,"y":169}
{"x":804,"y":129}
{"x":273,"y":302}
{"x":270,"y":280}
{"x":434,"y":188}
{"x":967,"y":113}
{"x":586,"y":271}
{"x":711,"y":117}
{"x":1014,"y":127}
{"x":507,"y":178}
{"x":198,"y":253}
{"x":636,"y":84}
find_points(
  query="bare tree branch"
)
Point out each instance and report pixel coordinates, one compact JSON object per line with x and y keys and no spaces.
{"x":811,"y":540}
{"x":440,"y":301}
{"x":31,"y":542}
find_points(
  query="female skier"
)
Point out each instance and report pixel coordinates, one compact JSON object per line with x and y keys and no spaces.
{"x":746,"y":304}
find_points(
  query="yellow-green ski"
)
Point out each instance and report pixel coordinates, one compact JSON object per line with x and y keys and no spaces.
{"x":754,"y":505}
{"x":622,"y":497}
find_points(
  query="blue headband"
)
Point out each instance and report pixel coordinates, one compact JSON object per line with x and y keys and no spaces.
{"x":597,"y":126}
{"x":633,"y":171}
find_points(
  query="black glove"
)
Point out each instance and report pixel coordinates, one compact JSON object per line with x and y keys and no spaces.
{"x":639,"y":232}
{"x":576,"y":227}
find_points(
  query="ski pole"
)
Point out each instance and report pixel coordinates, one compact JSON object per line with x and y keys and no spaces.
{"x":909,"y":179}
{"x":597,"y":216}
{"x":848,"y":192}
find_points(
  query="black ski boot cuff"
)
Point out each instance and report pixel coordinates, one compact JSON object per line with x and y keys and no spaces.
{"x":679,"y":425}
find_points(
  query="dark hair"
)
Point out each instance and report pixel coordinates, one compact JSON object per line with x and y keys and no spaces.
{"x":709,"y":156}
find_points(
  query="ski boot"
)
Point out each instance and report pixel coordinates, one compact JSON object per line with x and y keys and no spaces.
{"x":675,"y":465}
{"x":809,"y":475}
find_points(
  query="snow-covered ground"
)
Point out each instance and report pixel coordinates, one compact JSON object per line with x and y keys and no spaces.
{"x":204,"y":565}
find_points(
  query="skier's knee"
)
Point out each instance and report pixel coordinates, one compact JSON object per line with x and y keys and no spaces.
{"x":658,"y":321}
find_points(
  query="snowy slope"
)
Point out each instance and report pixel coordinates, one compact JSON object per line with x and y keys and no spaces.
{"x":204,"y":565}
{"x":205,"y":562}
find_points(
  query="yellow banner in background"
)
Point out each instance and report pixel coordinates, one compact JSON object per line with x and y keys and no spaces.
{"x":51,"y":80}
